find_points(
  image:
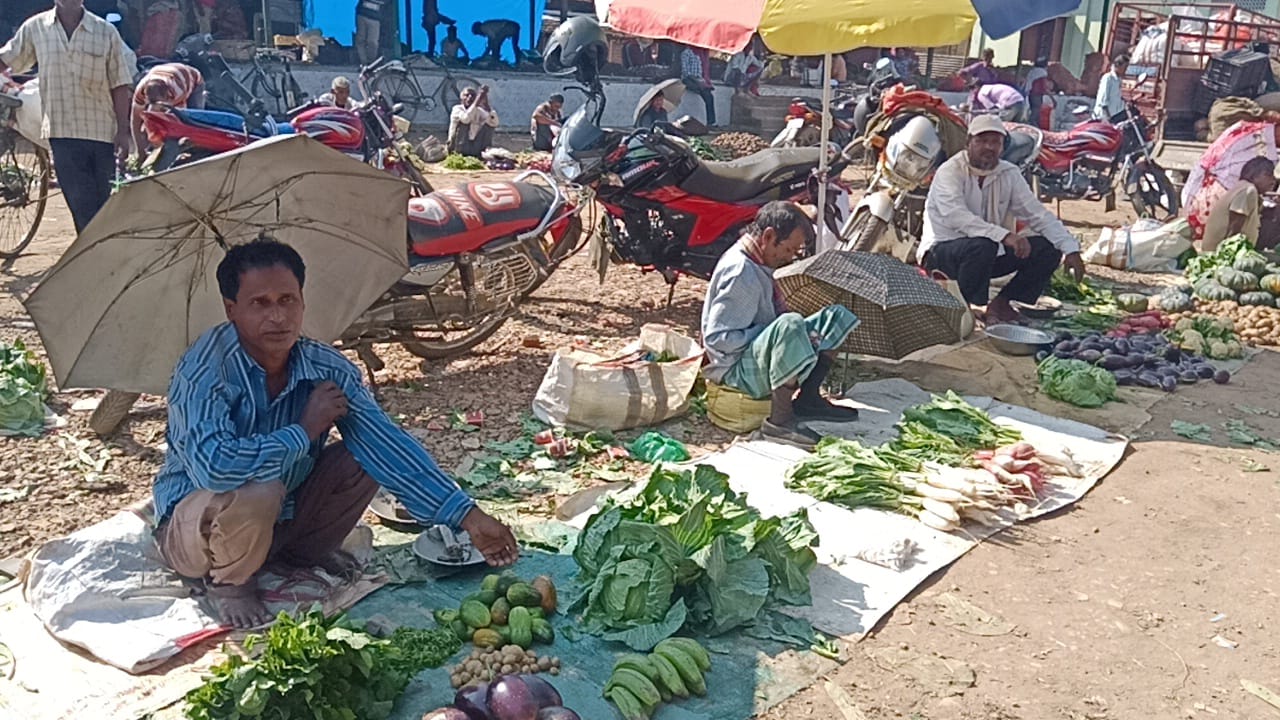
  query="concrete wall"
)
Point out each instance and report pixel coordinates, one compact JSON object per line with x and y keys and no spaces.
{"x":515,"y":95}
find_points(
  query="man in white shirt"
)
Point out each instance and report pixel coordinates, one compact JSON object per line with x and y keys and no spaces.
{"x":1109,"y":102}
{"x":339,"y":94}
{"x":970,"y":235}
{"x":471,"y":123}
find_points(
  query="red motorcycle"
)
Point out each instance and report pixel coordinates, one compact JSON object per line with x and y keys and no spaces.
{"x":1092,"y":159}
{"x":476,"y":251}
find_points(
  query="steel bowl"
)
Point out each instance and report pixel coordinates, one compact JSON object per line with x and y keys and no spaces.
{"x":1018,"y":340}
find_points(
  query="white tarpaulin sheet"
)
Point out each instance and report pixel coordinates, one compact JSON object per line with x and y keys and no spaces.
{"x":850,"y":595}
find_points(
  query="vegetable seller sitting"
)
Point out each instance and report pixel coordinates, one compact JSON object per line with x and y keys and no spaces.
{"x":973,"y":204}
{"x":1239,"y":211}
{"x":248,"y":476}
{"x":758,"y":348}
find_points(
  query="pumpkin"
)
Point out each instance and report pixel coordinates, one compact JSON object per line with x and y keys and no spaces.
{"x":1212,"y":291}
{"x":1172,"y":301}
{"x":1132,"y":302}
{"x":1270,"y":283}
{"x":1237,"y":280}
{"x":1251,"y":262}
{"x":1258,"y":298}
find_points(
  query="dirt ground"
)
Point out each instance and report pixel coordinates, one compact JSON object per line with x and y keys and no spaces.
{"x":1151,"y":598}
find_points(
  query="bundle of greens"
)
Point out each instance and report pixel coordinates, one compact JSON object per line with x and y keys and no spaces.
{"x":1077,"y":382}
{"x":846,"y":473}
{"x":322,"y":668}
{"x":688,"y":552}
{"x":1225,"y":255}
{"x":1063,"y":286}
{"x":969,"y":427}
{"x":23,"y":388}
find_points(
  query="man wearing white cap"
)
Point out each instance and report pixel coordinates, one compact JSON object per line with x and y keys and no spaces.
{"x":971,"y":233}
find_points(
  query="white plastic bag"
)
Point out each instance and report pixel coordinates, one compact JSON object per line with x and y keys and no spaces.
{"x":1145,"y":246}
{"x":586,"y":390}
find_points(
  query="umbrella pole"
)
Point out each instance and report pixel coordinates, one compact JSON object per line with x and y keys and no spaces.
{"x":822,"y":157}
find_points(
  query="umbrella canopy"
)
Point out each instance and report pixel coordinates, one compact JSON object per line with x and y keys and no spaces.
{"x":815,"y":27}
{"x":672,"y":91}
{"x":137,"y":287}
{"x":901,"y":311}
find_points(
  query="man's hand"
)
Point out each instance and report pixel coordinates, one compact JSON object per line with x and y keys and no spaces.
{"x":1075,"y":264}
{"x":124,"y":144}
{"x":1020,"y":246}
{"x":493,"y":539}
{"x":326,"y":404}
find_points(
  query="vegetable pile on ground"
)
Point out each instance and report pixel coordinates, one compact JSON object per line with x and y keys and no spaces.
{"x":23,"y":388}
{"x":1256,"y":324}
{"x":688,"y":552}
{"x":640,"y":683}
{"x":1235,"y":271}
{"x":1063,"y":286}
{"x":534,"y":160}
{"x":706,"y":150}
{"x":504,"y":611}
{"x":1145,"y":359}
{"x":1076,"y":381}
{"x":950,"y":463}
{"x":1208,"y":335}
{"x":510,"y":697}
{"x":739,"y":144}
{"x":454,"y":161}
{"x":487,"y":665}
{"x":313,"y":667}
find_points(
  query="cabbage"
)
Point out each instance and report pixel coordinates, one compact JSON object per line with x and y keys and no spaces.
{"x":22,"y":391}
{"x":1076,"y":382}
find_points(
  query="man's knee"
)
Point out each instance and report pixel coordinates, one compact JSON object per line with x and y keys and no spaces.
{"x":1041,"y":247}
{"x":257,"y":500}
{"x":791,"y":325}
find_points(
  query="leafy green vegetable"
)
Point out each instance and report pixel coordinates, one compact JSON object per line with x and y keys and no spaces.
{"x":968,"y":426}
{"x":1063,"y":286}
{"x":1076,"y":382}
{"x":688,"y":552}
{"x":311,"y":667}
{"x":1241,"y":433}
{"x":1191,"y":431}
{"x":461,"y":162}
{"x":1225,"y":255}
{"x":23,"y":388}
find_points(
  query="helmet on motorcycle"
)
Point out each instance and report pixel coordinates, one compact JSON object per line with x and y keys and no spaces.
{"x":577,"y":47}
{"x":340,"y":129}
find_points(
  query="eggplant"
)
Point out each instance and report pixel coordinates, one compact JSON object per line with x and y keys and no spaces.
{"x":1167,"y":371}
{"x":473,"y":700}
{"x":1189,"y":378}
{"x":1169,"y":383}
{"x":1122,"y":346}
{"x":1114,"y":362}
{"x":1205,"y":372}
{"x":544,"y":693}
{"x":1222,"y":377}
{"x":1089,"y":356}
{"x":1040,"y":356}
{"x":1062,"y":354}
{"x":446,"y":713}
{"x":1066,"y":346}
{"x":510,"y":699}
{"x":1062,"y":336}
{"x":557,"y":713}
{"x":1125,"y":377}
{"x":1172,"y":354}
{"x":1148,"y":379}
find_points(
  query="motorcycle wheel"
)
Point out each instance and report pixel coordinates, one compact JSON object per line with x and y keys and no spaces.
{"x":808,"y":136}
{"x":1152,"y":193}
{"x":864,"y":232}
{"x":444,"y":348}
{"x":112,"y":411}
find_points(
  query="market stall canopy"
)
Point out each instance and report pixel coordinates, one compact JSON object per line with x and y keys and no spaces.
{"x":814,"y":27}
{"x":901,"y":310}
{"x":132,"y":293}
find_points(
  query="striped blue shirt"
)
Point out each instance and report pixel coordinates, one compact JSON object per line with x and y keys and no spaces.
{"x":224,"y":432}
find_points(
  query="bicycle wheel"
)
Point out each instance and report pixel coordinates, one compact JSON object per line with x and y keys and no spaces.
{"x":25,"y":171}
{"x":451,"y":90}
{"x":400,"y":90}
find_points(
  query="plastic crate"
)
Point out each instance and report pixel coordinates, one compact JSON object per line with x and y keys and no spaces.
{"x":1237,"y":72}
{"x":1202,"y":98}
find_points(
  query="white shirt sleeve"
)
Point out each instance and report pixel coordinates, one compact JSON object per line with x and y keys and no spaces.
{"x":1109,"y":87}
{"x":949,"y":216}
{"x":1027,"y":207}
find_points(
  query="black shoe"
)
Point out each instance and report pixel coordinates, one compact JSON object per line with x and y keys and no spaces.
{"x":823,"y":409}
{"x":793,"y":434}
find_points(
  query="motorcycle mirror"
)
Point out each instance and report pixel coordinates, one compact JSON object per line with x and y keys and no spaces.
{"x":397,"y":108}
{"x":1142,"y":78}
{"x":1079,"y":109}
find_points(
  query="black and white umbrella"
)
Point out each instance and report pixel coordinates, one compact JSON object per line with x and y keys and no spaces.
{"x":901,"y":310}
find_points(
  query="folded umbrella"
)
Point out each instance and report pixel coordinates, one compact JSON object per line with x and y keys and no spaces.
{"x":137,"y":287}
{"x":901,"y":311}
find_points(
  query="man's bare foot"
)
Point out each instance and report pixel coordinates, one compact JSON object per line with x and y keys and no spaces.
{"x":239,"y":605}
{"x":1000,"y":311}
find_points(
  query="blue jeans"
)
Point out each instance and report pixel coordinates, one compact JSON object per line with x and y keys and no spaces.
{"x":85,"y":170}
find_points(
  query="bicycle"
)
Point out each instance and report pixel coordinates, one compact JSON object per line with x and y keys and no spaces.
{"x":396,"y":80}
{"x":25,"y":173}
{"x":271,"y":77}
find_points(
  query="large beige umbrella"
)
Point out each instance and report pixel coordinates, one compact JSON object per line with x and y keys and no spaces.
{"x":672,"y":92}
{"x":137,"y":287}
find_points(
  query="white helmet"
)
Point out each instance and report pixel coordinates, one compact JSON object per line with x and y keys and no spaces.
{"x":912,"y":152}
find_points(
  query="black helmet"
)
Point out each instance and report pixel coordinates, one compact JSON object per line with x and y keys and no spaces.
{"x":578,"y":47}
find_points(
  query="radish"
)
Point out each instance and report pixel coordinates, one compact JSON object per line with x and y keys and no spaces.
{"x":935,"y":522}
{"x":941,"y":509}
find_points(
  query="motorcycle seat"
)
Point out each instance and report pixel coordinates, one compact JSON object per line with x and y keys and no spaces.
{"x":1018,"y":148}
{"x":228,"y":121}
{"x":1056,"y":139}
{"x":747,"y":177}
{"x":464,"y":218}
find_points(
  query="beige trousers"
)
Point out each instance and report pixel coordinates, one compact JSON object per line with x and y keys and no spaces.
{"x":368,"y":34}
{"x":227,"y":537}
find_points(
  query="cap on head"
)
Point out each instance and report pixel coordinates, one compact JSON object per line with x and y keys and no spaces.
{"x":986,"y":124}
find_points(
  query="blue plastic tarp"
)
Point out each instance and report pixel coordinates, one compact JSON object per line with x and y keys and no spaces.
{"x":337,"y":19}
{"x":1001,"y":18}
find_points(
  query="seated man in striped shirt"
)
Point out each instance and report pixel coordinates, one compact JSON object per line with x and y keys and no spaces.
{"x":248,"y":476}
{"x":172,"y":84}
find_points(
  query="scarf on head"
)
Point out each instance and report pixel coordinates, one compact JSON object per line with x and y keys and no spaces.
{"x":753,"y":254}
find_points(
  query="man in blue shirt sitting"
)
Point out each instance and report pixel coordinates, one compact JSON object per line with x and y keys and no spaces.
{"x":248,"y":477}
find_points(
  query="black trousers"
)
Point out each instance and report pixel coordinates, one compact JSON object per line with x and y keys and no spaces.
{"x":972,"y":262}
{"x":708,"y":95}
{"x":85,"y":170}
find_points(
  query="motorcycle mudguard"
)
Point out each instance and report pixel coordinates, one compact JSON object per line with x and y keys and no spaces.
{"x":878,"y":204}
{"x":787,"y":134}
